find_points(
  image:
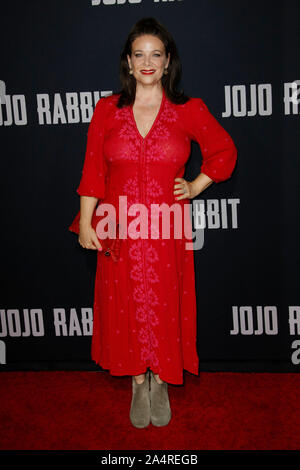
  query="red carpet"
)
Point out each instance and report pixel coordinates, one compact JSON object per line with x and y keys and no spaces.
{"x":90,"y":411}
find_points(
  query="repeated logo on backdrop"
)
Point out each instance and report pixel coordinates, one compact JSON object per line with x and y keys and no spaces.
{"x":246,"y":320}
{"x":255,"y":100}
{"x":104,"y":3}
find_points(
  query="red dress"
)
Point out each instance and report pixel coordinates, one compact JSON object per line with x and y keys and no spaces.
{"x":145,"y":304}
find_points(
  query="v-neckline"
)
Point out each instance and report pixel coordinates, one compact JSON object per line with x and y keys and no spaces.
{"x":155,"y":120}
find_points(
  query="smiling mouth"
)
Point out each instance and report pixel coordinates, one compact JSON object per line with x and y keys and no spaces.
{"x":147,"y":71}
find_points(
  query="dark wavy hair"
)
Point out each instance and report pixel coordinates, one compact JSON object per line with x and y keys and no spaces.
{"x":169,"y":81}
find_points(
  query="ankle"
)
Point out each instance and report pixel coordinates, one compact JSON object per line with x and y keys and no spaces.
{"x":158,"y":379}
{"x":140,"y":378}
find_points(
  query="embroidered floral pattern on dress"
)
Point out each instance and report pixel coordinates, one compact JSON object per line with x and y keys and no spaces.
{"x":128,"y":133}
{"x":157,"y":147}
{"x":154,"y":192}
{"x":145,"y":188}
{"x":143,"y":274}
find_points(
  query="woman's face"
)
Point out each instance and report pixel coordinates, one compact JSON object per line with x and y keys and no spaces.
{"x":148,"y":53}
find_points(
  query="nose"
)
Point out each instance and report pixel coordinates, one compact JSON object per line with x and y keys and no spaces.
{"x":147,"y":61}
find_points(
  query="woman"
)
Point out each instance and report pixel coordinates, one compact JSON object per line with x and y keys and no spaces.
{"x":138,"y":145}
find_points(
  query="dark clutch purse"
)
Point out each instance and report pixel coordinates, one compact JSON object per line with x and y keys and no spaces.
{"x":110,"y":246}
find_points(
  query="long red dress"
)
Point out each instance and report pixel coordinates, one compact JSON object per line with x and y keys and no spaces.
{"x":145,"y":304}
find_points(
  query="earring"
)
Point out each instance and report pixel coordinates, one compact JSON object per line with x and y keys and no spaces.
{"x":166,"y":71}
{"x":130,"y":71}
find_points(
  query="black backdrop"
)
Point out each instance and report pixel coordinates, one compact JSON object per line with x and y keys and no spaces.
{"x":55,"y":52}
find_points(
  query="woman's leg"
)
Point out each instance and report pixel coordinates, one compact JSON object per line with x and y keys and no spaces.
{"x":139,"y":378}
{"x":140,"y":402}
{"x":158,"y":379}
{"x":159,"y":401}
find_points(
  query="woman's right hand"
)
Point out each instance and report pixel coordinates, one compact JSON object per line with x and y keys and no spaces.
{"x":88,"y":238}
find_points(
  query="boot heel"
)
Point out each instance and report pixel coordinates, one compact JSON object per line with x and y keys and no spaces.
{"x":160,"y":409}
{"x":140,"y":403}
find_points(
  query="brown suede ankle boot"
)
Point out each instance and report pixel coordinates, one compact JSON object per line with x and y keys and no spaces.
{"x":159,"y":403}
{"x":140,"y":403}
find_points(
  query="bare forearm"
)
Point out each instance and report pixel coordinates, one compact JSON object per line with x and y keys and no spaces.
{"x":200,"y":183}
{"x":87,"y":207}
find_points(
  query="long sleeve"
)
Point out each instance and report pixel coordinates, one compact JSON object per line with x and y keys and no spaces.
{"x":92,"y":181}
{"x":218,"y":150}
